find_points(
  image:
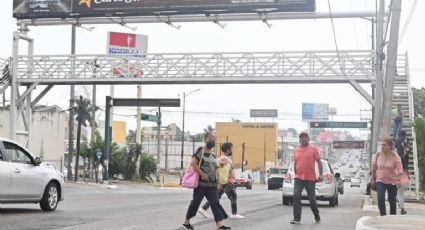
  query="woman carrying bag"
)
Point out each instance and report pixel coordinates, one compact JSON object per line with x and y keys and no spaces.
{"x":204,"y":163}
{"x":386,"y":171}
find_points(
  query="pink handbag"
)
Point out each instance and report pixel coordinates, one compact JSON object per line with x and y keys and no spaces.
{"x":191,"y":178}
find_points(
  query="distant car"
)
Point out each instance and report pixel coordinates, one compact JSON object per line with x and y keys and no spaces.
{"x":326,"y":190}
{"x":25,"y":179}
{"x":244,"y":179}
{"x":355,"y":182}
{"x":275,"y":177}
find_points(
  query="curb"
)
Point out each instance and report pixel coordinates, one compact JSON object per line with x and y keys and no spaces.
{"x":411,"y":222}
{"x":106,"y":186}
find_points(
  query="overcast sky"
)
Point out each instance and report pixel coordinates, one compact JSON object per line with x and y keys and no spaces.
{"x":222,"y":102}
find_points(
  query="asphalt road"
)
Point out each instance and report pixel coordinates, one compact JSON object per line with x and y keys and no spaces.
{"x":145,"y":207}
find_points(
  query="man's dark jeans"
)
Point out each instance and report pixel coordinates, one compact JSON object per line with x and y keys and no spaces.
{"x":381,"y":188}
{"x":211,"y":194}
{"x":310,"y":186}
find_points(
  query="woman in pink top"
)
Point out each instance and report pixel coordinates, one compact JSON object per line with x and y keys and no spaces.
{"x":386,"y":171}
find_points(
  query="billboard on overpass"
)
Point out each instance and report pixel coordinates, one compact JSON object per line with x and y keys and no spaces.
{"x":24,"y":9}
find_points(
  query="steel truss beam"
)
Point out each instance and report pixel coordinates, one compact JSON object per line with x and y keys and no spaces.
{"x":200,"y":68}
{"x":196,"y":18}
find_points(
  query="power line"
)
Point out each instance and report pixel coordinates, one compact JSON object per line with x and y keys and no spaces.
{"x":412,"y":11}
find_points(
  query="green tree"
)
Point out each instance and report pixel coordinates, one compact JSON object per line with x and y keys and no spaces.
{"x":209,"y":129}
{"x":147,"y":167}
{"x":131,"y":137}
{"x":420,"y":143}
{"x":419,"y":101}
{"x":124,"y":160}
{"x":292,"y":131}
{"x":83,"y":111}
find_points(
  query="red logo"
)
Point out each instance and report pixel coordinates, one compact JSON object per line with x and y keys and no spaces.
{"x":122,"y":39}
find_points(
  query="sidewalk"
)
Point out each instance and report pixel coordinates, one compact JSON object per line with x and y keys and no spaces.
{"x":414,"y":219}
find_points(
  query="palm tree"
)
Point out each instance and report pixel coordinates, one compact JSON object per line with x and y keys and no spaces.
{"x":83,"y":112}
{"x":209,"y":129}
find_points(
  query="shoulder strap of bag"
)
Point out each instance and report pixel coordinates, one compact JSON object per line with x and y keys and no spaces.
{"x":202,"y":156}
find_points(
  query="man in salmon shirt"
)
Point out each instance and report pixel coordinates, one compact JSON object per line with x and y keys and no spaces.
{"x":305,"y":157}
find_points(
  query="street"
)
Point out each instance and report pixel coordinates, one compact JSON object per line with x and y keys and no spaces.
{"x":134,"y":206}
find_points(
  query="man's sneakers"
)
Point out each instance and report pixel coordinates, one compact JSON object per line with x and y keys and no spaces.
{"x":236,"y":216}
{"x":223,"y":227}
{"x":295,"y":222}
{"x":317,"y":220}
{"x":188,"y":226}
{"x":204,"y":213}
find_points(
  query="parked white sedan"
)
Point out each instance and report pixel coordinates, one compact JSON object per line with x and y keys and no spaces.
{"x":25,"y":179}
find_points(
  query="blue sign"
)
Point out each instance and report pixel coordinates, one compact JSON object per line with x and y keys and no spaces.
{"x":315,"y":112}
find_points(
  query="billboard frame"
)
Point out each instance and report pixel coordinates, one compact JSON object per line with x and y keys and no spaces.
{"x":63,"y":9}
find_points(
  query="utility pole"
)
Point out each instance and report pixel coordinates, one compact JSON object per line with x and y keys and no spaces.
{"x":158,"y":146}
{"x":391,"y":69}
{"x":183,"y":130}
{"x":109,"y":101}
{"x":71,"y":106}
{"x":138,"y":128}
{"x":166,"y":155}
{"x":93,"y":121}
{"x":377,"y":115}
{"x":182,"y":147}
{"x":243,"y":156}
{"x":264,"y":175}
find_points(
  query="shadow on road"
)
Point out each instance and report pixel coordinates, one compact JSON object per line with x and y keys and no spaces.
{"x":6,"y":211}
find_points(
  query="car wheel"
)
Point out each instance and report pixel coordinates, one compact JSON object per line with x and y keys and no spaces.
{"x":269,"y":187}
{"x":332,"y":202}
{"x":285,"y":201}
{"x":50,"y":199}
{"x":336,"y":200}
{"x":249,"y":187}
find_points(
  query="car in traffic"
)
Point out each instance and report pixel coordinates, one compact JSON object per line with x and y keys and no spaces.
{"x":355,"y":182}
{"x":25,"y":179}
{"x":275,"y":177}
{"x":326,"y":190}
{"x":243,"y":179}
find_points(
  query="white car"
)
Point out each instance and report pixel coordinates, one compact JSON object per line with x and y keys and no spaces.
{"x":25,"y":179}
{"x":326,"y":190}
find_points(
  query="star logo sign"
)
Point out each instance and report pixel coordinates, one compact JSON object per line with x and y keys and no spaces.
{"x":87,"y":2}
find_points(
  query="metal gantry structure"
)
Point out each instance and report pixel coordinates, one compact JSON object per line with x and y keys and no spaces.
{"x":199,"y":68}
{"x":352,"y":67}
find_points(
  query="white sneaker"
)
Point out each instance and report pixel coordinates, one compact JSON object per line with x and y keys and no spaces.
{"x":236,"y":216}
{"x":204,"y":213}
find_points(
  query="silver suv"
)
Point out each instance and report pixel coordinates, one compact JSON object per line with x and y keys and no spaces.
{"x":25,"y":179}
{"x":326,"y":190}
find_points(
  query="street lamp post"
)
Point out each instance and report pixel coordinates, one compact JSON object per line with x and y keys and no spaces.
{"x":184,"y":106}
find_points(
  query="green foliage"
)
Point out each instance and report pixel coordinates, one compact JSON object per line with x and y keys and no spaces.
{"x":420,"y":143}
{"x":209,"y":129}
{"x":123,"y":161}
{"x":419,"y":101}
{"x":147,"y":167}
{"x":292,"y":131}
